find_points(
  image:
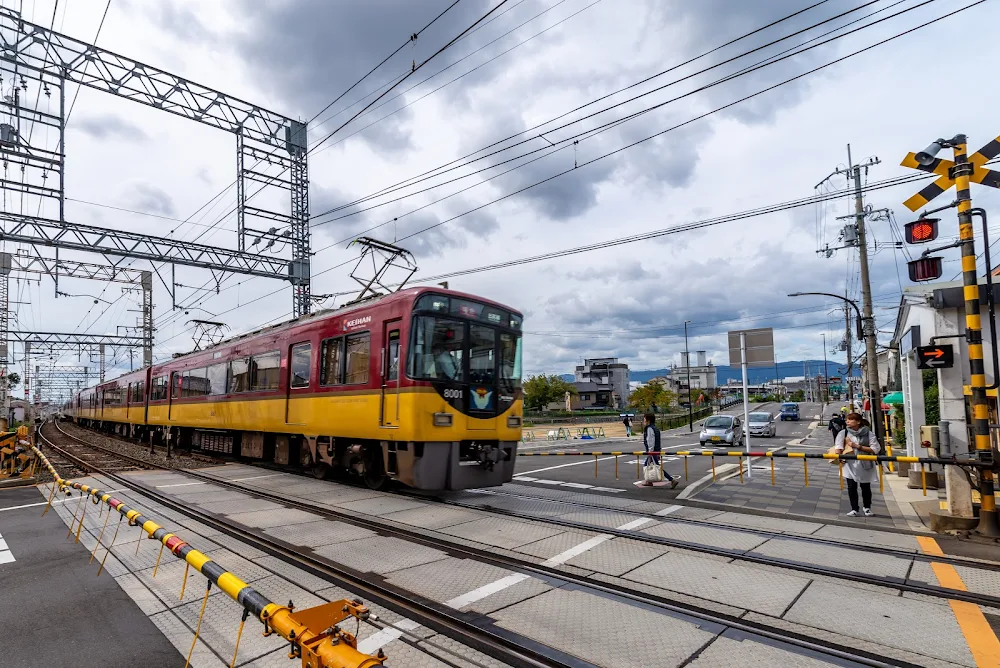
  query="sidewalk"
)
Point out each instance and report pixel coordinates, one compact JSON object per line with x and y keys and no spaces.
{"x":823,"y":498}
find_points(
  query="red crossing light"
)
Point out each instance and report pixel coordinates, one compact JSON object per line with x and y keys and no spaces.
{"x":925,"y":269}
{"x":921,"y":231}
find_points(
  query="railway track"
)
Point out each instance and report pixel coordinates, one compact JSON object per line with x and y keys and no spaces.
{"x":477,"y":632}
{"x":74,"y":455}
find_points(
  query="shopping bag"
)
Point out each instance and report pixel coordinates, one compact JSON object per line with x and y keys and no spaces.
{"x":652,"y":473}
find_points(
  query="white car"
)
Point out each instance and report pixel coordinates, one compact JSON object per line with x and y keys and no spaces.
{"x":762,"y":424}
{"x":721,"y":429}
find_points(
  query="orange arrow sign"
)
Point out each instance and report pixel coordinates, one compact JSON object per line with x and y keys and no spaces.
{"x":937,"y":352}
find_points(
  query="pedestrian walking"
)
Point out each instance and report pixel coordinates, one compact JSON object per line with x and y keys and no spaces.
{"x":627,"y":421}
{"x":836,"y":425}
{"x":651,"y":444}
{"x":857,"y":439}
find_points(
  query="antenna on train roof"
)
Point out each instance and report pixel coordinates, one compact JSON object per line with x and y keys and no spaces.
{"x":391,"y":257}
{"x":207,"y":330}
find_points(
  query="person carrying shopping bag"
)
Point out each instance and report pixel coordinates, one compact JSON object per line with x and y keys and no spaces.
{"x":651,"y":443}
{"x":857,"y":439}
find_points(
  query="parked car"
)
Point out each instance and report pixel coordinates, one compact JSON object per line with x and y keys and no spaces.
{"x":762,"y":424}
{"x":789,"y":411}
{"x":720,"y":429}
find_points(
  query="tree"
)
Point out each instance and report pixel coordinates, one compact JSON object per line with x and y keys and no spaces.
{"x":13,"y":380}
{"x":652,"y":393}
{"x":541,"y":390}
{"x":798,"y":395}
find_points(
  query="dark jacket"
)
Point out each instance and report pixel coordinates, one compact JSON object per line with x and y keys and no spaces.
{"x":837,"y":424}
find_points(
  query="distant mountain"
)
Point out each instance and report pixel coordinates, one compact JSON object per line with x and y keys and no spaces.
{"x":757,"y":375}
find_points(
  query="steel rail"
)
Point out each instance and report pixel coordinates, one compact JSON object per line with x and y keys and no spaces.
{"x":502,"y":646}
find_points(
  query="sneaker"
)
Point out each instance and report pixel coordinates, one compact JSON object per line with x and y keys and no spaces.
{"x":868,"y":512}
{"x":673,"y":483}
{"x":853,"y":513}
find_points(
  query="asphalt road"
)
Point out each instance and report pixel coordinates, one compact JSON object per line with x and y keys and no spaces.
{"x":56,"y":611}
{"x":578,"y":471}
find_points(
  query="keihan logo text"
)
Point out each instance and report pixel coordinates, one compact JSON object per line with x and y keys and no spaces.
{"x":357,"y":321}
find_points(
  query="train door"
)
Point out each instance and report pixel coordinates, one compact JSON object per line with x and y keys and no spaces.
{"x":297,"y":383}
{"x":391,"y":352}
{"x":174,"y":378}
{"x":129,"y":408}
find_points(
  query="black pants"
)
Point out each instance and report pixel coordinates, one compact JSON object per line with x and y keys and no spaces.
{"x":866,"y":493}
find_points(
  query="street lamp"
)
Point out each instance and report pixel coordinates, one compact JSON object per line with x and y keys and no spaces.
{"x":874,"y":395}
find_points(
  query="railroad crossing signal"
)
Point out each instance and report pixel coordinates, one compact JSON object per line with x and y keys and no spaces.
{"x":943,"y":168}
{"x":921,"y":231}
{"x":935,"y":357}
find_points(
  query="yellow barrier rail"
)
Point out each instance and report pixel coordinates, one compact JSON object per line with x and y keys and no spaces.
{"x":313,"y":634}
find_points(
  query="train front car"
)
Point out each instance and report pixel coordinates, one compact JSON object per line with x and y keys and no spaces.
{"x":459,"y":400}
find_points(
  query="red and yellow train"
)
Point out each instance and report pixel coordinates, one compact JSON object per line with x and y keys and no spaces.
{"x":422,"y":386}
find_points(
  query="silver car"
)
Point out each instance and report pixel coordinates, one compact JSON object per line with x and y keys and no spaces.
{"x":721,"y":429}
{"x":762,"y":424}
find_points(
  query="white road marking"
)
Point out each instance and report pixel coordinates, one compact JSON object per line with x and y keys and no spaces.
{"x":549,"y":482}
{"x":635,"y":524}
{"x":577,"y":550}
{"x":524,"y":478}
{"x":667,"y":510}
{"x":607,"y":489}
{"x":6,"y":556}
{"x":562,"y":466}
{"x":486,"y":590}
{"x":377,"y":640}
{"x":577,"y":485}
{"x":256,"y":477}
{"x":54,"y":501}
{"x":181,"y":484}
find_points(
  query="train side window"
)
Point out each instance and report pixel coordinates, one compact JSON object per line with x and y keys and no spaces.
{"x":301,"y":364}
{"x":330,"y":371}
{"x":175,"y":383}
{"x":158,"y":392}
{"x":393,"y":353}
{"x":266,"y":368}
{"x":217,"y":376}
{"x":195,"y":383}
{"x":239,"y":376}
{"x":357,"y":355}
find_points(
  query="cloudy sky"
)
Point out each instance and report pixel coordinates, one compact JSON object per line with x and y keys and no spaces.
{"x":523,"y":72}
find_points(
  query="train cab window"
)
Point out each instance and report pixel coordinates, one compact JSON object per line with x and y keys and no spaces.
{"x":437,"y":350}
{"x":300,"y":364}
{"x":265,"y":371}
{"x":357,"y":353}
{"x":393,"y":356}
{"x":158,"y":390}
{"x":239,"y":375}
{"x":510,"y":356}
{"x":330,"y":369}
{"x":482,"y":354}
{"x":217,"y":376}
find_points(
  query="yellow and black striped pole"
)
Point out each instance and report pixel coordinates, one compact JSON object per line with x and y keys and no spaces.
{"x":974,"y":335}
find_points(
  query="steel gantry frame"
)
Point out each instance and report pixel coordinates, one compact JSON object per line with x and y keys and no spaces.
{"x":276,"y":143}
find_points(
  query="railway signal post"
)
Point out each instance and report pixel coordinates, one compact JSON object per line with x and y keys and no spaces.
{"x":961,"y":173}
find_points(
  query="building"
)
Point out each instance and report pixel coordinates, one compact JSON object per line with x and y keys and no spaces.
{"x":604,"y":381}
{"x":704,"y":375}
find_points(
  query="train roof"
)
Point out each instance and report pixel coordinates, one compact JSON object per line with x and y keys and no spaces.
{"x":405,"y":294}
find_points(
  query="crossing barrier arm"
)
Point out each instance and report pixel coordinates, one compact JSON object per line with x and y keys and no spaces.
{"x":313,"y":633}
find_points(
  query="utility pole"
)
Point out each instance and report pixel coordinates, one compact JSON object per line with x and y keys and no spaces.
{"x":868,"y":320}
{"x":687,"y":363}
{"x":847,"y":338}
{"x":825,"y":396}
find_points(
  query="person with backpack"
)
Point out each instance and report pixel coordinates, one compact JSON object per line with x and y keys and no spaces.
{"x":836,"y":425}
{"x":858,"y":439}
{"x":651,"y":444}
{"x":627,"y":421}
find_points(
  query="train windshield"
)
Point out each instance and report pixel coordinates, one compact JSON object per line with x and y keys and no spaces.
{"x":452,"y":350}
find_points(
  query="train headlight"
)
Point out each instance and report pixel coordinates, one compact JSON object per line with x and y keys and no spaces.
{"x":514,"y":421}
{"x":442,"y":419}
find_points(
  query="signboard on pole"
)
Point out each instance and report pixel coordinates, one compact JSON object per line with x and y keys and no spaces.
{"x":759,"y":347}
{"x":935,"y":357}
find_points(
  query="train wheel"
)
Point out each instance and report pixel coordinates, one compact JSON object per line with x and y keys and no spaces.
{"x":375,"y":477}
{"x":320,"y":470}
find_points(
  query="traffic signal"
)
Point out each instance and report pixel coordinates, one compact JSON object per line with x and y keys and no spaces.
{"x":921,"y":231}
{"x":925,"y":269}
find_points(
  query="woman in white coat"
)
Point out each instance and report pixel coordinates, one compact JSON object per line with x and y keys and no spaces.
{"x":858,"y":439}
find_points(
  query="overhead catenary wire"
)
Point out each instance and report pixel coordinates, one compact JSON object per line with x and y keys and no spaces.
{"x":794,"y":78}
{"x":744,"y":72}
